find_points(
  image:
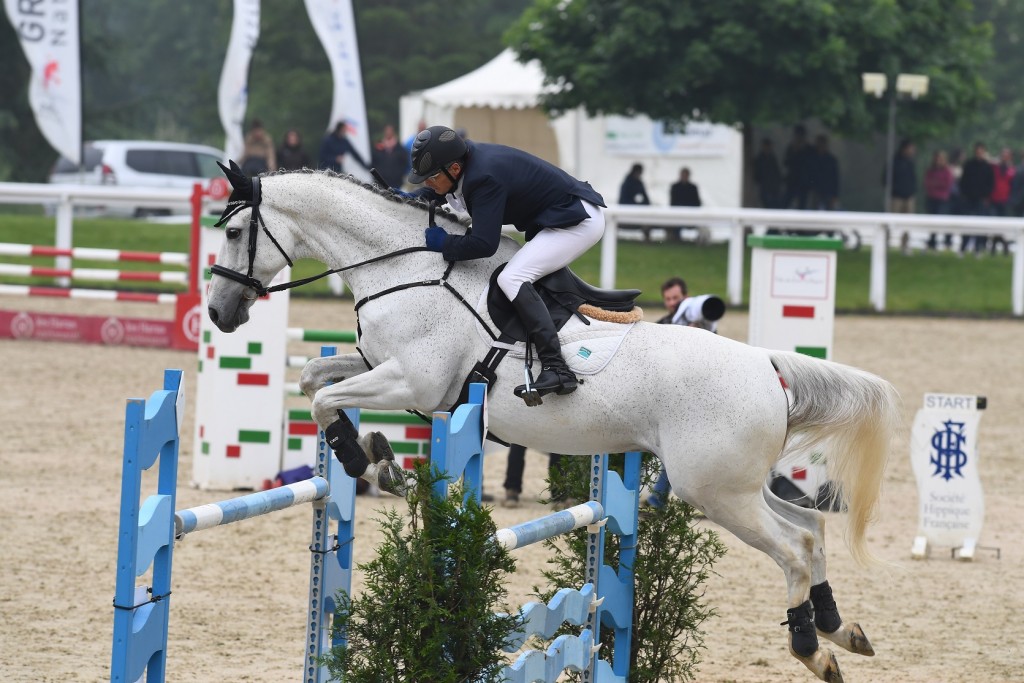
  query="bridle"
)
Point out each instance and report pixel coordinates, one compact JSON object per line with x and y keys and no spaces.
{"x":250,"y":282}
{"x":256,"y":222}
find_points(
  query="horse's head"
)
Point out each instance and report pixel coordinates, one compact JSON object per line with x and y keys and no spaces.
{"x":251,"y":254}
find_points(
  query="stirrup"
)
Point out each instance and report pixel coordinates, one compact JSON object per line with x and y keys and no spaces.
{"x":527,"y":392}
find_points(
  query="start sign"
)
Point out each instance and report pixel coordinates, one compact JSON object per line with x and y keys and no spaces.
{"x":944,"y":456}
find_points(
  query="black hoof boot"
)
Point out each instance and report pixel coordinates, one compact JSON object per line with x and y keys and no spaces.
{"x":826,"y":614}
{"x":803,"y":639}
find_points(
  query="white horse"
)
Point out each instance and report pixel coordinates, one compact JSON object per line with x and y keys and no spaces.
{"x":715,"y":411}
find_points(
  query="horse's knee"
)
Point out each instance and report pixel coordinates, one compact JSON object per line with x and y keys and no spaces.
{"x":311,"y":378}
{"x":322,"y":409}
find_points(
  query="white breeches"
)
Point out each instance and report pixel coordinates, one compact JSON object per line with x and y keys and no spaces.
{"x":551,"y":249}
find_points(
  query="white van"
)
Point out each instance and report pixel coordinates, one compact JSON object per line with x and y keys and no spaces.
{"x":140,"y":163}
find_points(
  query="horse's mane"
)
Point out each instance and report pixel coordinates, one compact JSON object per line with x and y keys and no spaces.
{"x":386,"y":193}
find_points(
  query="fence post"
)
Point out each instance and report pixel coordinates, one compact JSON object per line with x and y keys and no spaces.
{"x":879,"y":256}
{"x":734,"y":274}
{"x":609,"y":247}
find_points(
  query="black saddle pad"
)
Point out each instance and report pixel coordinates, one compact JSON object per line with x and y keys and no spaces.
{"x":562,"y":292}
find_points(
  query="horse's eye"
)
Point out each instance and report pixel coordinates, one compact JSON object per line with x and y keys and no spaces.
{"x":233,"y":233}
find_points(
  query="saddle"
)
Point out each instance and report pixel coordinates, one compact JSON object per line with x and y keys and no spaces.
{"x":564,"y":293}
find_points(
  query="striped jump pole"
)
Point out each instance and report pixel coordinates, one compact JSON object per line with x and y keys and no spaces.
{"x":94,"y":254}
{"x":549,"y":526}
{"x":95,"y":274}
{"x":322,"y":336}
{"x":82,"y":293}
{"x":246,"y":507}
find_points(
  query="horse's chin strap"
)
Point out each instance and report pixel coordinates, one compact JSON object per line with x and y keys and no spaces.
{"x":255,"y":222}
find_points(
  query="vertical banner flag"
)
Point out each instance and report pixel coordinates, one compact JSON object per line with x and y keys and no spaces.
{"x":48,"y":30}
{"x":335,"y":25}
{"x":233,"y":92}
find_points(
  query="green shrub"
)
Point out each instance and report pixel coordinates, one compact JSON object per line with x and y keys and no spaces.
{"x":427,"y":612}
{"x":674,"y":558}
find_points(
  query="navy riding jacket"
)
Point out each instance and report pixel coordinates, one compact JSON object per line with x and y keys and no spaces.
{"x":506,"y":186}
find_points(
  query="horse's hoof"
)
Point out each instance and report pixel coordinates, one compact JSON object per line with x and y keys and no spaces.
{"x":391,"y":478}
{"x":380,"y":448}
{"x":852,"y":639}
{"x":823,"y":664}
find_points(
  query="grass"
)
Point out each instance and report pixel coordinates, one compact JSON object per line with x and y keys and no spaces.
{"x":925,"y":283}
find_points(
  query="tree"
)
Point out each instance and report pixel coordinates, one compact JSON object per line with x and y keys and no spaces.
{"x":761,"y":63}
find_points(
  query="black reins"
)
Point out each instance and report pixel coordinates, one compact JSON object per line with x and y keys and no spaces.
{"x":256,"y":221}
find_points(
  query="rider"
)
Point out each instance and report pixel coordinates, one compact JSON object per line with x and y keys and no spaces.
{"x":499,"y":185}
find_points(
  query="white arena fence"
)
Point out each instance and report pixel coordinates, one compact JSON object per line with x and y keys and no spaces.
{"x":875,"y":229}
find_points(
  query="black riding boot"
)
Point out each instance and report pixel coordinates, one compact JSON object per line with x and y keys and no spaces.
{"x":555,"y":375}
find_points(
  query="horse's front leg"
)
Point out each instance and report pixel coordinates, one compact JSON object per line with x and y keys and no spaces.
{"x":370,"y":457}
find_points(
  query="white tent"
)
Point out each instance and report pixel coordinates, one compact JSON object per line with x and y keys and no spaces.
{"x":497,"y":102}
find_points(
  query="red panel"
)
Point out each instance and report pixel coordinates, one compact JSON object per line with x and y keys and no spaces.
{"x":421,"y":433}
{"x":798,"y":311}
{"x":152,"y":257}
{"x":233,"y":451}
{"x":49,"y":291}
{"x":259,"y":379}
{"x":303,"y":428}
{"x":202,"y":431}
{"x":799,"y":473}
{"x":210,"y":352}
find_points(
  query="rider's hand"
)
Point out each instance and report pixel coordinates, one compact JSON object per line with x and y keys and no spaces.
{"x":436,"y":238}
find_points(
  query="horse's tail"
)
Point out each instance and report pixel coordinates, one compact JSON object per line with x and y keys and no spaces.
{"x":849,"y":416}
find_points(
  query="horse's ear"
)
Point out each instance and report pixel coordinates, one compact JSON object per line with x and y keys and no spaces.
{"x":234,"y":174}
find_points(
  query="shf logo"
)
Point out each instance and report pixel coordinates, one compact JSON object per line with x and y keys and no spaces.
{"x":949,"y":457}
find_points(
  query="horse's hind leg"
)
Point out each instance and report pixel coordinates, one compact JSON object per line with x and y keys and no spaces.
{"x":827,"y":621}
{"x":751,"y":519}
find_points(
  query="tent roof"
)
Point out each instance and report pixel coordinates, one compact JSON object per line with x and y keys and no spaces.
{"x":502,"y":83}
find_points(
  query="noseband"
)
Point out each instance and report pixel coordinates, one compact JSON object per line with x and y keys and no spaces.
{"x":255,"y":222}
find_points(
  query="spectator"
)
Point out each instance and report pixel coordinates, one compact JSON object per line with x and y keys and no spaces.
{"x":797,"y":161}
{"x":633,"y":192}
{"x":682,"y":193}
{"x":768,"y":176}
{"x":258,"y":151}
{"x":904,"y":186}
{"x":824,"y":176}
{"x":1003,"y":173}
{"x":335,"y":147}
{"x":938,"y":185}
{"x":904,"y":179}
{"x":1016,"y":202}
{"x":514,"y":476}
{"x":390,"y":158}
{"x":291,"y":156}
{"x":976,"y":185}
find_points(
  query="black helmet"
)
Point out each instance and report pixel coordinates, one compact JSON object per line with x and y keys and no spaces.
{"x":433,"y":149}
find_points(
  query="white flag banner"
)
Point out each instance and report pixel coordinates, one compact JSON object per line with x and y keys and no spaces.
{"x":48,"y":30}
{"x":335,"y":25}
{"x":233,"y":91}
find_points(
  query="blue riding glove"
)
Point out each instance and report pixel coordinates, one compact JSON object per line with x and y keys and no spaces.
{"x":436,"y":238}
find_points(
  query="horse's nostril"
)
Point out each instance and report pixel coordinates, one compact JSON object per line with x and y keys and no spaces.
{"x":213,"y":314}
